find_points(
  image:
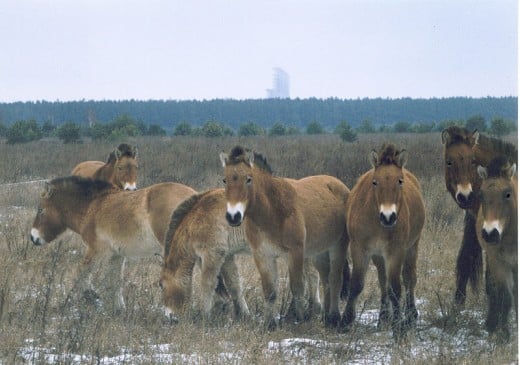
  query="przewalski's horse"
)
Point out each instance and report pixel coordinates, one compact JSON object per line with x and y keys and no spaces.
{"x":199,"y":232}
{"x":385,"y":217}
{"x":113,"y":224}
{"x":119,"y":170}
{"x":463,"y":151}
{"x":290,"y":218}
{"x":497,"y":228}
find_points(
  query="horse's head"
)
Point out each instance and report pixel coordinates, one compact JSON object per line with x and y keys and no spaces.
{"x":387,"y":182}
{"x":238,"y":178}
{"x":48,"y":223}
{"x":460,"y":169}
{"x":498,"y":197}
{"x":176,"y":292}
{"x":125,"y":167}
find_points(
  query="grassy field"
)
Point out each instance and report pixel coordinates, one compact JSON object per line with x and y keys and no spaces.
{"x":39,"y":325}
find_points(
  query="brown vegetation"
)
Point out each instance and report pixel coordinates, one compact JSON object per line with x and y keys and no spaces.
{"x":38,"y":324}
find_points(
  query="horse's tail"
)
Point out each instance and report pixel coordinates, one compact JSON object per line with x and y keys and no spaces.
{"x":176,"y":219}
{"x":346,"y":271}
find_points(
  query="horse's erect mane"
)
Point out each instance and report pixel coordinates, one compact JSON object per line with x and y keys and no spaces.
{"x":239,"y":154}
{"x":125,"y":150}
{"x":388,"y":155}
{"x":81,"y":185}
{"x":498,"y":166}
{"x":177,"y":217}
{"x":498,"y":147}
{"x":458,"y":135}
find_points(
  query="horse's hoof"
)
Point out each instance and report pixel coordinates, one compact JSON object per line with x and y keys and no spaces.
{"x":332,"y":320}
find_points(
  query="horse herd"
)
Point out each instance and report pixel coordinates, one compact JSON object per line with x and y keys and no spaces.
{"x":312,"y":223}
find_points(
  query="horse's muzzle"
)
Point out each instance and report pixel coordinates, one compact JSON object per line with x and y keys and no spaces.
{"x":491,"y":238}
{"x":35,"y":238}
{"x":234,"y":220}
{"x":465,"y":202}
{"x":388,"y":221}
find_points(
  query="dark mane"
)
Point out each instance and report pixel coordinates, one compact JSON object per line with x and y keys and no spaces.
{"x":388,"y":155}
{"x":498,"y":166}
{"x":238,"y":155}
{"x":494,"y":146}
{"x":85,"y":187}
{"x":458,"y":135}
{"x":177,"y":217}
{"x":125,"y":150}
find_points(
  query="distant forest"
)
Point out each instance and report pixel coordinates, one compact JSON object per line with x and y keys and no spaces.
{"x":264,"y":112}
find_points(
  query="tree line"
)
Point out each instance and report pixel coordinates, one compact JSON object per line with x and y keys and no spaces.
{"x":297,"y":113}
{"x":125,"y":126}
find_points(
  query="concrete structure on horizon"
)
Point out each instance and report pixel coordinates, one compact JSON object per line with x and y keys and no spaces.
{"x":280,"y":88}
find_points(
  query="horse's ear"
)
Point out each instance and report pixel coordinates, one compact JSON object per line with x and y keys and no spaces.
{"x":402,"y":159}
{"x":482,"y":172}
{"x":134,"y":152}
{"x":117,"y":153}
{"x":373,"y":158}
{"x":250,"y":157}
{"x":475,"y":136}
{"x":445,"y":136}
{"x":223,"y":158}
{"x":512,"y":171}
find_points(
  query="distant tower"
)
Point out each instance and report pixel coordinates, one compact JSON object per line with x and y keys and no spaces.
{"x":280,"y":84}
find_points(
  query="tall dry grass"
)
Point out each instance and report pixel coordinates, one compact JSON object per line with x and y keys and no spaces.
{"x":40,"y":323}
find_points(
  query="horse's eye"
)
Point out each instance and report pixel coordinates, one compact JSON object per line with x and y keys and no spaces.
{"x":401,"y":182}
{"x":374,"y":182}
{"x":248,"y":180}
{"x":161,"y":284}
{"x":449,"y":163}
{"x":224,"y":181}
{"x":507,"y":195}
{"x":40,"y":211}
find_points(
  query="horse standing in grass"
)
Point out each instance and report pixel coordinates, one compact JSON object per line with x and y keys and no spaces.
{"x":497,"y":226}
{"x":290,"y":218}
{"x":119,"y":170}
{"x":463,"y":152}
{"x":385,"y":217}
{"x":113,"y":224}
{"x":199,"y":232}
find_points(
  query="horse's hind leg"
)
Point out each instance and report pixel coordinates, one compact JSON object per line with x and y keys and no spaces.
{"x":229,"y":271}
{"x":384,"y":312}
{"x":114,"y":279}
{"x":312,"y":283}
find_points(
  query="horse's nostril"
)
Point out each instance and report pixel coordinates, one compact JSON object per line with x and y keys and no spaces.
{"x":235,"y":219}
{"x":492,"y":237}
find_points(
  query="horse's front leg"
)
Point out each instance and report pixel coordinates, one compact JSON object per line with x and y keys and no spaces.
{"x":210,"y":269}
{"x":266,"y":265}
{"x":229,"y":271}
{"x":384,"y":312}
{"x":410,"y":281}
{"x":116,"y":273}
{"x":337,"y":255}
{"x":394,"y":266}
{"x":295,"y":268}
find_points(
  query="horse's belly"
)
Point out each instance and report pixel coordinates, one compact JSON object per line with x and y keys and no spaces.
{"x":137,"y":244}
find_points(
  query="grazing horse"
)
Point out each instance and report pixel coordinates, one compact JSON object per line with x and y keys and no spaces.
{"x":113,"y":224}
{"x":294,"y":219}
{"x":497,"y":226}
{"x":385,"y":217}
{"x":198,"y":231}
{"x":119,"y":170}
{"x":463,"y":151}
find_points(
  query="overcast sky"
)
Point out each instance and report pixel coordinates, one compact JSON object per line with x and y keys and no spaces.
{"x":208,"y":49}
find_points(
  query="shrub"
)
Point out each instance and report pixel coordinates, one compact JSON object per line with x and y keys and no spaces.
{"x":23,"y":131}
{"x":69,"y":133}
{"x":314,"y":128}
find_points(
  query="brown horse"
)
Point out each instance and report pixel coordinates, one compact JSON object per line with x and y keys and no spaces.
{"x":119,"y":170}
{"x":463,"y":151}
{"x":113,"y":224}
{"x":199,"y":232}
{"x":497,"y":226}
{"x":290,"y":218}
{"x":385,"y":217}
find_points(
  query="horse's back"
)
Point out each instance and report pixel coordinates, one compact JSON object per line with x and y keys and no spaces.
{"x":87,"y":168}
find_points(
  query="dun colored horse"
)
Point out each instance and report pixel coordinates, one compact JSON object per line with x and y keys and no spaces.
{"x":113,"y":224}
{"x":119,"y":170}
{"x":385,"y":217}
{"x":290,"y":218}
{"x":199,"y":232}
{"x":463,"y":151}
{"x":497,"y":226}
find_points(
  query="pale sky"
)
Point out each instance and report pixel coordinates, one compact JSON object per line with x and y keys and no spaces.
{"x":208,"y":49}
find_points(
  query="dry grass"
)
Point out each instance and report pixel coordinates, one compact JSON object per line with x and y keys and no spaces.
{"x":38,"y":324}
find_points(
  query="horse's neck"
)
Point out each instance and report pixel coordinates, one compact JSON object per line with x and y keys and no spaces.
{"x":74,"y":213}
{"x":267,"y":205}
